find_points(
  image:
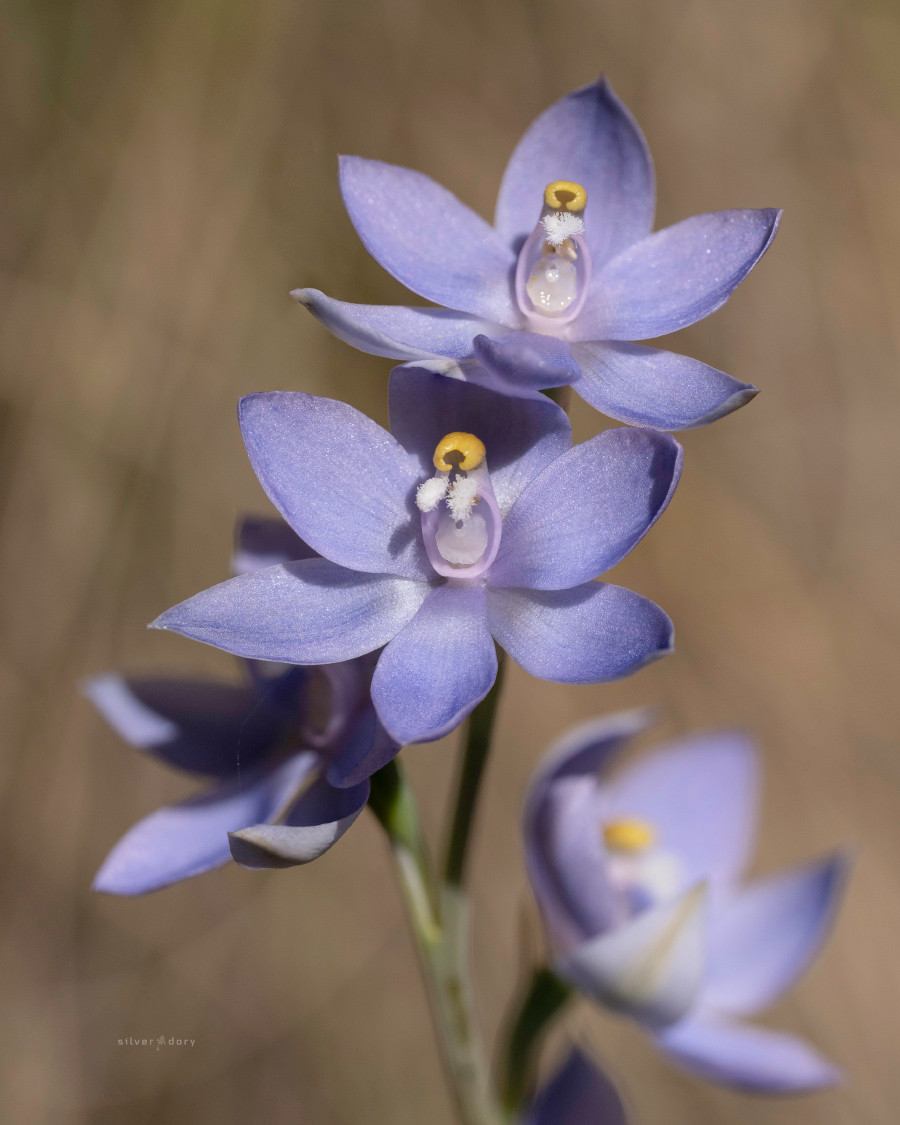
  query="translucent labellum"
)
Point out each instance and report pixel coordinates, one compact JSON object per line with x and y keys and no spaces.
{"x":553,"y":270}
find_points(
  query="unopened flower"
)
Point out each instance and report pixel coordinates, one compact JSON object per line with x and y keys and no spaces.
{"x":437,"y":576}
{"x":638,"y":877}
{"x":569,"y":277}
{"x":577,"y":1093}
{"x":289,"y":753}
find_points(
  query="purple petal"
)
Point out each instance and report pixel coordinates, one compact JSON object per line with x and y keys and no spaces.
{"x":366,"y":749}
{"x":187,"y":839}
{"x":309,"y":612}
{"x":587,"y":635}
{"x":438,"y":668}
{"x":525,"y":357}
{"x":578,"y":1093}
{"x":587,"y":510}
{"x":318,"y":819}
{"x":262,"y":541}
{"x":651,"y":967}
{"x":591,"y":138}
{"x":206,"y":728}
{"x":766,"y":937}
{"x":397,"y":331}
{"x":567,"y":864}
{"x":426,"y":238}
{"x":701,"y":795}
{"x":649,"y":387}
{"x":750,"y":1058}
{"x":521,"y":436}
{"x":676,"y":276}
{"x":340,"y":480}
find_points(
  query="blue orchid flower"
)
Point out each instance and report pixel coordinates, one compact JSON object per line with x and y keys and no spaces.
{"x":290,"y":753}
{"x":569,"y":277}
{"x":638,"y":878}
{"x":476,"y":521}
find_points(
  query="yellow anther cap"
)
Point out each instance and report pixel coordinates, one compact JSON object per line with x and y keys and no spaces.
{"x":469,"y":448}
{"x":629,"y":835}
{"x":563,"y":195}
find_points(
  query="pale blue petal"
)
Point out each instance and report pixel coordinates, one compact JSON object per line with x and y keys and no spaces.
{"x":262,"y":541}
{"x":578,"y":1093}
{"x":310,"y":612}
{"x":438,"y":668}
{"x":589,"y":137}
{"x":587,"y":635}
{"x":426,"y":238}
{"x":340,"y":480}
{"x":526,"y":357}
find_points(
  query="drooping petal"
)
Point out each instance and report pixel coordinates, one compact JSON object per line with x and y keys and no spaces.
{"x":586,"y":635}
{"x":205,"y":728}
{"x":340,"y":480}
{"x":751,"y":1058}
{"x":318,"y":819}
{"x":676,"y":276}
{"x":310,"y":612}
{"x":438,"y":668}
{"x":430,"y":241}
{"x":589,"y":137}
{"x":187,"y":839}
{"x":765,"y":938}
{"x":567,"y":865}
{"x":587,"y":509}
{"x":366,"y":749}
{"x":649,"y":387}
{"x":262,"y":541}
{"x":579,"y":1093}
{"x":397,"y":331}
{"x":520,"y":436}
{"x":526,"y":357}
{"x":651,"y":967}
{"x":700,"y":794}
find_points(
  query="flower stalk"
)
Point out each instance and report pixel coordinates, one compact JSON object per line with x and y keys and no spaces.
{"x":541,"y":1001}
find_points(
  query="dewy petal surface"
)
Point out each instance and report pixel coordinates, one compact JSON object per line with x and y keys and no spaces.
{"x":202,"y":727}
{"x":586,"y":635}
{"x":397,"y":331}
{"x":430,"y":241}
{"x":192,"y":837}
{"x":438,"y":668}
{"x":645,"y":386}
{"x":310,"y":612}
{"x":751,"y":1058}
{"x":567,"y":864}
{"x":340,"y":480}
{"x":651,"y":967}
{"x":521,"y":436}
{"x":318,"y":819}
{"x":676,"y":276}
{"x":700,"y":794}
{"x":579,"y":1093}
{"x":766,"y":937}
{"x":589,"y":137}
{"x":587,"y":509}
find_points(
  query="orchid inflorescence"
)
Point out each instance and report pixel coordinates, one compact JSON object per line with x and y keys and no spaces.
{"x":376,"y":611}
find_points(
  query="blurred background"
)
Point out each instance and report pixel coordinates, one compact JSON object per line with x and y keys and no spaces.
{"x":169,"y":174}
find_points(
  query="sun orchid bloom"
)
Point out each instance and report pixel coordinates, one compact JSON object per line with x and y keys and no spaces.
{"x":289,"y":754}
{"x":577,"y":1093}
{"x":476,"y":521}
{"x":638,"y":876}
{"x":564,"y":283}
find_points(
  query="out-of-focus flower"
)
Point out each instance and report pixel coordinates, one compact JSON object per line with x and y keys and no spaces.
{"x":637,"y":877}
{"x":290,"y":753}
{"x":533,"y":304}
{"x":475,"y":520}
{"x":578,"y":1093}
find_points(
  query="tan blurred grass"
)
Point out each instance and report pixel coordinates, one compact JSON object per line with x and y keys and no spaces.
{"x":169,"y":175}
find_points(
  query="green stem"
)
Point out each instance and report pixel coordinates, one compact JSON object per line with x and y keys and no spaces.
{"x":541,"y":1001}
{"x":440,"y":930}
{"x":478,"y":744}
